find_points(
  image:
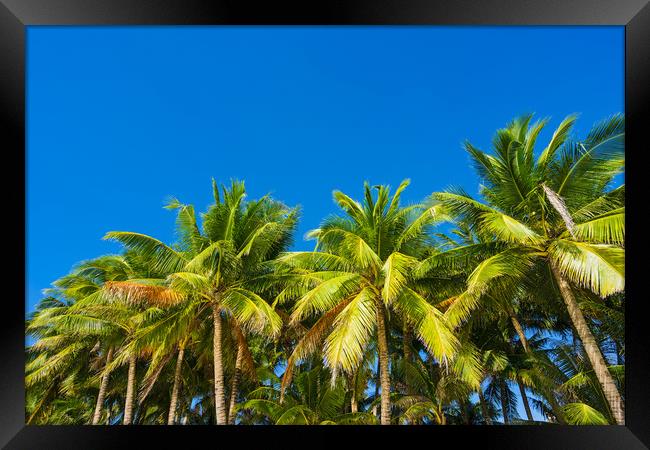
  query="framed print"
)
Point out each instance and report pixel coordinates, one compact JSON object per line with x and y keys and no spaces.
{"x":330,"y":223}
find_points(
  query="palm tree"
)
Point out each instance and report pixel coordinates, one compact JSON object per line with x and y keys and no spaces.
{"x":363,"y":271}
{"x":73,"y":329}
{"x":216,"y":265}
{"x":524,"y":298}
{"x":552,"y":215}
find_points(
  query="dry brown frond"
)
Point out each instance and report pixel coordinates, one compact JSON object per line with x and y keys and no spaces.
{"x":139,"y":293}
{"x":248,"y":363}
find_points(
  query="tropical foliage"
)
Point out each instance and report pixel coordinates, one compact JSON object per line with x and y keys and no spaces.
{"x":452,"y":310}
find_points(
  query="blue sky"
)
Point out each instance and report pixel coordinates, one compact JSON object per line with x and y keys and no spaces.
{"x":118,"y":119}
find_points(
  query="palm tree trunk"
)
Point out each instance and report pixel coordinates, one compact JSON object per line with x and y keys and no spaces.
{"x":504,"y":399}
{"x":484,"y":409}
{"x":219,"y":395}
{"x":235,"y":385}
{"x":354,"y":407}
{"x":524,"y":399}
{"x":130,"y":389}
{"x":555,"y":407}
{"x":520,"y":331}
{"x":384,"y":375}
{"x":102,"y":388}
{"x":591,"y":348}
{"x":175,"y":389}
{"x":557,"y":411}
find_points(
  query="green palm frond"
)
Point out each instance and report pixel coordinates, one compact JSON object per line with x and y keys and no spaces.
{"x":189,"y":282}
{"x":607,"y":228}
{"x":588,"y":166}
{"x":429,"y":324}
{"x":560,"y":135}
{"x":315,"y":261}
{"x":352,"y":328}
{"x":510,"y":264}
{"x":396,"y":271}
{"x":351,"y":246}
{"x":162,"y":257}
{"x":598,"y":267}
{"x":457,"y":258}
{"x":583,"y":414}
{"x":508,"y":229}
{"x":252,"y":311}
{"x":326,"y":295}
{"x":311,"y":341}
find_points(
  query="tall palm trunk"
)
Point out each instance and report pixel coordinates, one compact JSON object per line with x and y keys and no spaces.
{"x":591,"y":348}
{"x":235,"y":384}
{"x":484,"y":409}
{"x":504,"y":399}
{"x":219,"y":395}
{"x":384,"y":376}
{"x":555,"y":407}
{"x":354,"y":407}
{"x":102,"y":388}
{"x":130,"y":389}
{"x":520,"y":331}
{"x":557,"y":411}
{"x":177,"y":382}
{"x":524,"y":399}
{"x":524,"y":342}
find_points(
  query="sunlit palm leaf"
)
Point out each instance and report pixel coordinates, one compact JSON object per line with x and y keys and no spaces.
{"x":598,"y":267}
{"x":162,"y":257}
{"x":352,"y":329}
{"x":252,"y":311}
{"x":396,"y":271}
{"x":608,"y":228}
{"x":583,"y":414}
{"x":508,"y":229}
{"x":429,"y":324}
{"x":325,"y":296}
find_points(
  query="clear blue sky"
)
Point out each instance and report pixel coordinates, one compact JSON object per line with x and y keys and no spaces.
{"x":120,"y":118}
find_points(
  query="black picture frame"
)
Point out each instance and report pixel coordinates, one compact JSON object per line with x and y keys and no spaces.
{"x":15,"y":15}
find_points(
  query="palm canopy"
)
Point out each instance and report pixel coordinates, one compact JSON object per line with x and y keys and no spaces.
{"x":77,"y":323}
{"x":213,"y":267}
{"x":531,"y":204}
{"x":551,"y":217}
{"x":236,"y":239}
{"x":384,"y":301}
{"x":364,"y":263}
